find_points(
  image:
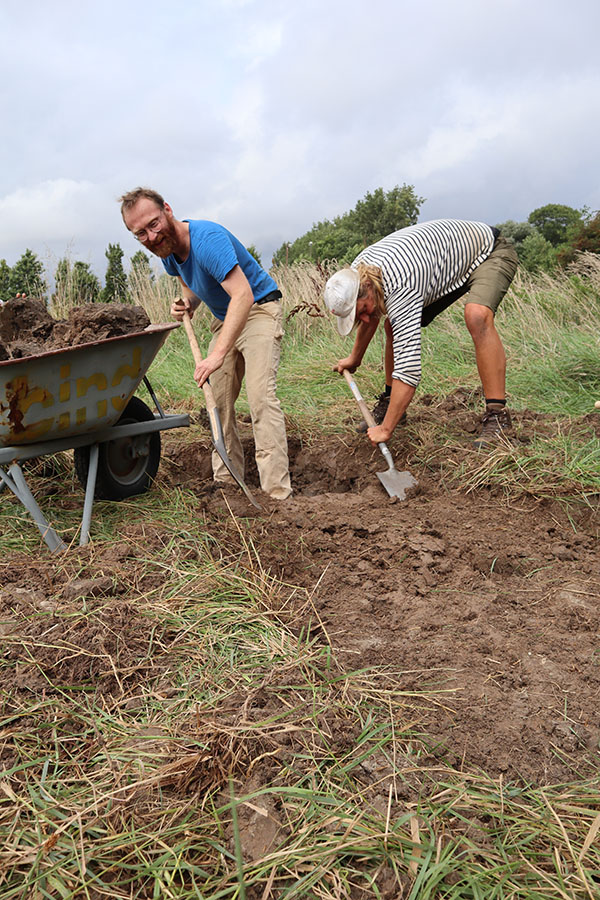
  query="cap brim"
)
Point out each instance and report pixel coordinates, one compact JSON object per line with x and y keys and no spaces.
{"x":345,"y":323}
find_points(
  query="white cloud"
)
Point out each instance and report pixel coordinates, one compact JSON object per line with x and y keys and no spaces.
{"x":269,"y":117}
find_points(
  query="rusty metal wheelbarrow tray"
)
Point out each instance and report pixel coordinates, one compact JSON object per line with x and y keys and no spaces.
{"x":72,"y":399}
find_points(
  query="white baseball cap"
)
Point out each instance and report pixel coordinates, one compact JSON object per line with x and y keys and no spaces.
{"x":340,"y":296}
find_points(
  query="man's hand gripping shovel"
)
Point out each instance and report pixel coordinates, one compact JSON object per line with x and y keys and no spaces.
{"x":216,"y":428}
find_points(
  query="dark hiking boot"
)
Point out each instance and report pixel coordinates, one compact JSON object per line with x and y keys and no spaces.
{"x":378,"y":412}
{"x":496,"y":424}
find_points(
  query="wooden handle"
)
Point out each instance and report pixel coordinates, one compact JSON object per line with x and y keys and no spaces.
{"x":192,"y":338}
{"x":208,"y":391}
{"x":358,"y":397}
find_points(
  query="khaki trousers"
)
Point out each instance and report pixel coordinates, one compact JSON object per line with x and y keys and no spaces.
{"x":254,"y":355}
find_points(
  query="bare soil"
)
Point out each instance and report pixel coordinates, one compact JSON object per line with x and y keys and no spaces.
{"x":489,"y":599}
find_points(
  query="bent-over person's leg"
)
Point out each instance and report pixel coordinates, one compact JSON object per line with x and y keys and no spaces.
{"x":487,"y":286}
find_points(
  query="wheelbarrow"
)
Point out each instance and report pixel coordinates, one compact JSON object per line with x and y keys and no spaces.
{"x":81,"y":399}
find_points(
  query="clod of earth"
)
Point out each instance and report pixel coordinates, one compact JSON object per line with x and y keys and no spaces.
{"x":27,"y":328}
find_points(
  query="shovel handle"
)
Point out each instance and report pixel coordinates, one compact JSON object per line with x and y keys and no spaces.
{"x":213,"y":412}
{"x":359,"y":399}
{"x":368,"y":416}
{"x":208,"y":391}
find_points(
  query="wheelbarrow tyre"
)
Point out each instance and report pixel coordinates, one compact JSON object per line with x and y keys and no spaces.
{"x":121,"y":473}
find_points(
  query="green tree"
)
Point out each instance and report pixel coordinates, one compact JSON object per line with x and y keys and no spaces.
{"x":254,"y":252}
{"x":381,"y":213}
{"x":141,"y":278}
{"x":516,"y":232}
{"x":556,"y":222}
{"x":585,"y":239}
{"x":4,"y":281}
{"x":536,"y":253}
{"x":27,"y":277}
{"x":533,"y":250}
{"x":86,"y":286}
{"x":115,"y":284}
{"x":141,"y":272}
{"x":75,"y":284}
{"x":377,"y":214}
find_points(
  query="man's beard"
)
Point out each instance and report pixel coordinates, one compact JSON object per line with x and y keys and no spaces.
{"x":164,"y":245}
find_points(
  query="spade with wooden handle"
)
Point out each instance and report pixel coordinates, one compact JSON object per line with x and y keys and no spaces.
{"x":214,"y":419}
{"x":396,"y":483}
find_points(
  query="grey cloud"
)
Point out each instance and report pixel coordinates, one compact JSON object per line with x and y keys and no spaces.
{"x":269,"y":117}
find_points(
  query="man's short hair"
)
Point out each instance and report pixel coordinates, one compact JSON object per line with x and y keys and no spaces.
{"x":140,"y":193}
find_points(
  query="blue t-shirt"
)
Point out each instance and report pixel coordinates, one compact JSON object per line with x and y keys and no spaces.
{"x":214,"y":252}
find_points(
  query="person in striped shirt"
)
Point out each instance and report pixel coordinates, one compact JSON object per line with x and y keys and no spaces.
{"x":410,"y":277}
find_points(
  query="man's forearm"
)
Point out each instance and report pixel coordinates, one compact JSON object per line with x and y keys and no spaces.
{"x":235,"y":319}
{"x":364,"y":335}
{"x":400,"y":398}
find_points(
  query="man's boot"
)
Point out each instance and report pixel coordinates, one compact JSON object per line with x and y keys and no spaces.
{"x":496,"y":424}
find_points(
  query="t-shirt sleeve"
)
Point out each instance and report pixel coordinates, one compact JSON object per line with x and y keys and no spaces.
{"x":217,"y":255}
{"x":404,"y":312}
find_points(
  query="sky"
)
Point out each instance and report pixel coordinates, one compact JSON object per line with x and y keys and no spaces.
{"x":271,"y":116}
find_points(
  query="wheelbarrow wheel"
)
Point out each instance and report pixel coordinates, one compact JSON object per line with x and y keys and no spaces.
{"x":126,"y":466}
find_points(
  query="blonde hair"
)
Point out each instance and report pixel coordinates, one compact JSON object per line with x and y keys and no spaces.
{"x":370,"y":276}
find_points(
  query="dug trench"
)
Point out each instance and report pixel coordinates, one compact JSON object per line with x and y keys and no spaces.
{"x":486,"y":603}
{"x":481,"y":606}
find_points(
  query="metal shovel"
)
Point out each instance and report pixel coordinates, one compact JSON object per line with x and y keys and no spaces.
{"x":396,"y":483}
{"x":216,"y":429}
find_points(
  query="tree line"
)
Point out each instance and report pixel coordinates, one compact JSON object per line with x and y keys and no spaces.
{"x":550,"y":238}
{"x":74,"y":282}
{"x":377,"y":214}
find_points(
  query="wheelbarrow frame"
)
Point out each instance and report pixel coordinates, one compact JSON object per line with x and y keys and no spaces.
{"x":91,"y":434}
{"x":15,"y":480}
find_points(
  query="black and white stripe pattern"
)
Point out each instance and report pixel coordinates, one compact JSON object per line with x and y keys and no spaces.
{"x":419,"y":265}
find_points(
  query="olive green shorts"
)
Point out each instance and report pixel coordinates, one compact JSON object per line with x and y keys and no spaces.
{"x":490,"y":281}
{"x":487,"y":285}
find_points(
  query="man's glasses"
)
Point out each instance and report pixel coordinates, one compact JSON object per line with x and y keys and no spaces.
{"x":152,"y":227}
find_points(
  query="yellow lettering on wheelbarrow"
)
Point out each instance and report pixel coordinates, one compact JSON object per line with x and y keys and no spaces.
{"x":29,"y":403}
{"x":20,"y":399}
{"x":64,"y":391}
{"x":83,"y":384}
{"x":129,"y":371}
{"x":118,"y":403}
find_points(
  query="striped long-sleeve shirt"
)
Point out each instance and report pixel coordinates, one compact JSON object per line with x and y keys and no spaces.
{"x":419,"y":265}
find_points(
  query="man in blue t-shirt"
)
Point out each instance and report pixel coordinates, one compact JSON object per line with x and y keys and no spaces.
{"x":215,"y":268}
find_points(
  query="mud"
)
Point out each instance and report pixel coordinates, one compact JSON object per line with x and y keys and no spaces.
{"x":27,"y":328}
{"x":482,"y":606}
{"x":490,"y":600}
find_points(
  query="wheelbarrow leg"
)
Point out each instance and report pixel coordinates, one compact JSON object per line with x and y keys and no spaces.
{"x":15,"y":480}
{"x":90,"y":489}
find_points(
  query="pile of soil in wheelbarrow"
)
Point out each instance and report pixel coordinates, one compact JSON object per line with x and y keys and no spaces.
{"x":27,"y":328}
